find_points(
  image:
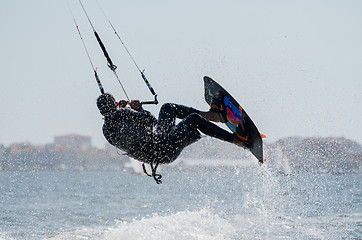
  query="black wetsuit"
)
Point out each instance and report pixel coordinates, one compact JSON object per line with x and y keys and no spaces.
{"x":147,"y":139}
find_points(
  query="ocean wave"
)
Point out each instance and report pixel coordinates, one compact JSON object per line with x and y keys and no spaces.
{"x":200,"y":225}
{"x":182,"y":225}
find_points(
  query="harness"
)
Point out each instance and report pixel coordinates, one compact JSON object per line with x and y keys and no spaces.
{"x":154,"y":164}
{"x":156,"y":176}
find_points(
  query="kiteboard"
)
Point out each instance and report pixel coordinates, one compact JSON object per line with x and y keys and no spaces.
{"x":235,"y":117}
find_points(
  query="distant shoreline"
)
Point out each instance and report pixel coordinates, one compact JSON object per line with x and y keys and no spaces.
{"x":288,"y":155}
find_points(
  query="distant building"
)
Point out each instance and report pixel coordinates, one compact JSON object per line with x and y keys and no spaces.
{"x":73,"y":141}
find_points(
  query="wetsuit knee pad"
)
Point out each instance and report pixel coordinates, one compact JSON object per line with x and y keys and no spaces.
{"x":195,"y":120}
{"x":166,"y":107}
{"x":176,"y":110}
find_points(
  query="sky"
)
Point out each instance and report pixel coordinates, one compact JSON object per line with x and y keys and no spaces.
{"x":295,"y":66}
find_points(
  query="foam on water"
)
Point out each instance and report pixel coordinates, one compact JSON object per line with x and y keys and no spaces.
{"x":205,"y":225}
{"x":201,"y":225}
{"x":182,"y":225}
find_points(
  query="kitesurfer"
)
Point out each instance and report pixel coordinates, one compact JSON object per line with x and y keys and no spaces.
{"x":147,"y":139}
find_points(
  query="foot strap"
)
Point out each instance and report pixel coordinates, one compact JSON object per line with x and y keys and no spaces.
{"x":216,"y":106}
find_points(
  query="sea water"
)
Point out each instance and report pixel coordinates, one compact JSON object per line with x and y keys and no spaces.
{"x":199,"y":203}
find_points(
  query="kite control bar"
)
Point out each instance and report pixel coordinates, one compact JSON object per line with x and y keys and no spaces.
{"x":133,"y":60}
{"x":109,"y":61}
{"x":151,"y":102}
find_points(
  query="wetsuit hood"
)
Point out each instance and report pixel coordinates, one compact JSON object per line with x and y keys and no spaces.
{"x":106,"y":104}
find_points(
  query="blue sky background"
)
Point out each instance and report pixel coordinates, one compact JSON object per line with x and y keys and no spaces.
{"x":295,"y":66}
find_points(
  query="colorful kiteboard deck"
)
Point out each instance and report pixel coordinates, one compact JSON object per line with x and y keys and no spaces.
{"x":236,"y":118}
